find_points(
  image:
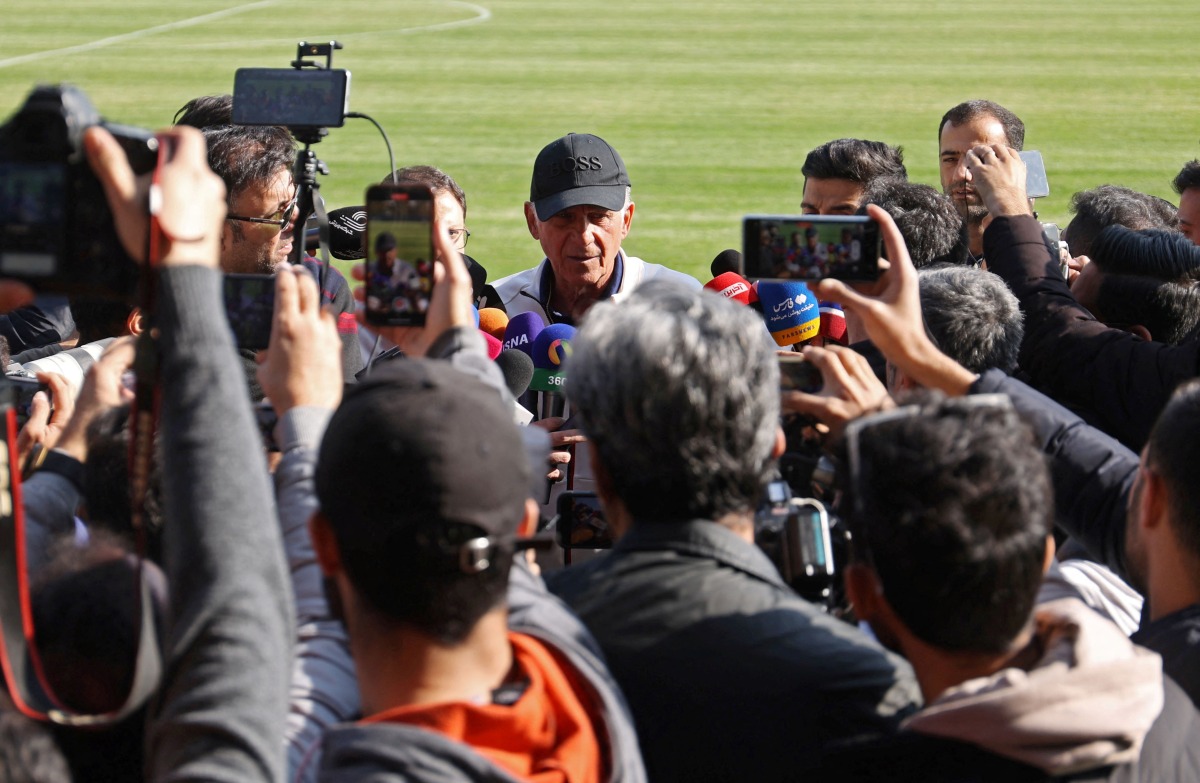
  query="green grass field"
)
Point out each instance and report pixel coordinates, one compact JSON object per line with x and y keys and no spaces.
{"x":713,"y":104}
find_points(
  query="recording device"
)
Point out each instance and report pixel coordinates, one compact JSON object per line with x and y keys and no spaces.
{"x":798,"y":374}
{"x":550,"y":352}
{"x":1036,"y":183}
{"x":791,"y":311}
{"x":56,"y":230}
{"x":303,"y":96}
{"x":250,"y":309}
{"x":347,"y":228}
{"x":733,"y":286}
{"x":24,"y":387}
{"x":493,"y":321}
{"x":400,"y":254}
{"x":517,"y":369}
{"x":728,"y":260}
{"x":810,"y":247}
{"x":795,"y":534}
{"x":581,"y":523}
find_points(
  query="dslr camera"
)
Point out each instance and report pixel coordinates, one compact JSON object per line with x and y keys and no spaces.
{"x":56,"y":230}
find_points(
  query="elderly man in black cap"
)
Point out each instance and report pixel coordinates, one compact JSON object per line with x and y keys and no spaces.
{"x":580,"y":211}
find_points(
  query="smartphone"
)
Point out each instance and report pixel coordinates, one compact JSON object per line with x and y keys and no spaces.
{"x":399,"y":254}
{"x":581,"y":522}
{"x":250,"y":309}
{"x":1036,"y":184}
{"x":309,"y":97}
{"x":798,"y":374}
{"x":810,"y":247}
{"x":25,"y":388}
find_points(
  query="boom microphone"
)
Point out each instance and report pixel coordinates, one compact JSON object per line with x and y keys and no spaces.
{"x":790,"y":310}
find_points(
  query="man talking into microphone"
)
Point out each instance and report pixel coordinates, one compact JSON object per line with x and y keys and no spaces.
{"x":579,"y":209}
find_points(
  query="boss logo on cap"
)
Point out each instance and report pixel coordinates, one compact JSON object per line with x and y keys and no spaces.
{"x":581,"y":163}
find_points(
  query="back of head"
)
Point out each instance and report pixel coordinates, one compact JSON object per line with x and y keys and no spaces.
{"x":1172,"y":452}
{"x":1188,"y":177}
{"x":1113,"y":205}
{"x":418,"y":464}
{"x":431,"y":177}
{"x":952,"y":507}
{"x":678,"y":391}
{"x":856,"y":160}
{"x":972,"y":316}
{"x":1151,"y":279}
{"x":96,"y":319}
{"x":245,"y":155}
{"x":28,"y":753}
{"x":967,"y":111}
{"x":933,"y":230}
{"x":207,"y":111}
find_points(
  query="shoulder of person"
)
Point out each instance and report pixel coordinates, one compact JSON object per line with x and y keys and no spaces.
{"x":640,"y":271}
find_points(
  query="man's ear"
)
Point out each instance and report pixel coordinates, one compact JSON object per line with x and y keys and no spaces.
{"x":324,"y":544}
{"x":531,"y":220}
{"x":863,"y":591}
{"x":1154,"y":499}
{"x":1049,"y":556}
{"x":780,"y":445}
{"x":529,"y":522}
{"x":627,"y":219}
{"x":133,"y":324}
{"x":1140,"y":331}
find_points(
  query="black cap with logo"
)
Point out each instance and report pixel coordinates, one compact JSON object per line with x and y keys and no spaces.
{"x":578,"y":169}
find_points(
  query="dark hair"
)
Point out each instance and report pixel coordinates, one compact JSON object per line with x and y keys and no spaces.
{"x":431,"y":177}
{"x":1188,"y":177}
{"x":857,"y":160}
{"x":97,"y":319}
{"x":28,"y":753}
{"x":243,"y":156}
{"x":105,"y":482}
{"x":933,"y":231}
{"x":954,"y":508}
{"x":1173,"y":448}
{"x":972,"y":316}
{"x":207,"y":111}
{"x":1113,"y":205}
{"x":1014,"y":129}
{"x":1150,"y":278}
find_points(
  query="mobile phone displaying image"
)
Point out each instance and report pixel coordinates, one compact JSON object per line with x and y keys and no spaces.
{"x":810,"y":247}
{"x":1036,"y":184}
{"x":399,"y":254}
{"x":798,"y":374}
{"x":250,"y":309}
{"x":581,"y":522}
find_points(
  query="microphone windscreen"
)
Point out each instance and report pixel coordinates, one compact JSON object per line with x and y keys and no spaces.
{"x":522,"y":330}
{"x":833,"y":323}
{"x":493,"y":321}
{"x":731,"y":285}
{"x":517,"y":369}
{"x":550,"y":352}
{"x":726,"y":261}
{"x":790,"y":310}
{"x":493,"y":345}
{"x":347,"y":229}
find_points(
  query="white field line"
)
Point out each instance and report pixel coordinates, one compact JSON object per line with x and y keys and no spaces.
{"x":481,"y":15}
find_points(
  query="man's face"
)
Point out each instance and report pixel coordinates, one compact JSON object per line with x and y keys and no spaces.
{"x":447,"y":210}
{"x":258,"y":248}
{"x":581,"y":243}
{"x":953,"y":144}
{"x":830,"y":196}
{"x":1086,"y":289}
{"x":1189,"y":214}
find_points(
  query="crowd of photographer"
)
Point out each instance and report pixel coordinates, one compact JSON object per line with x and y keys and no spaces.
{"x":928,"y":517}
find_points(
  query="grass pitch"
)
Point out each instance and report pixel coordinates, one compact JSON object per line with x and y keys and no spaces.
{"x":713,"y":104}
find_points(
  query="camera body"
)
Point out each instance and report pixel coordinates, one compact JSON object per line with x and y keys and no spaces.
{"x":795,"y":534}
{"x":56,"y":229}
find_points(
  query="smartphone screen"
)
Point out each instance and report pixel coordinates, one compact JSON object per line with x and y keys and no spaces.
{"x":399,"y":254}
{"x":250,"y":309}
{"x":1036,"y":184}
{"x":581,"y":522}
{"x":810,"y":247}
{"x":798,"y":374}
{"x":314,"y":97}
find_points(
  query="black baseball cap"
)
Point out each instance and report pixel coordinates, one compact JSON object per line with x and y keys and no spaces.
{"x":578,"y":169}
{"x":415,"y":446}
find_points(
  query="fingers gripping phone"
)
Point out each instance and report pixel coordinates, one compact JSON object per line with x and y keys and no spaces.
{"x":810,"y":247}
{"x":400,"y":255}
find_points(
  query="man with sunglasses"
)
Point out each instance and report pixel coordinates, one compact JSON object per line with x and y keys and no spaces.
{"x":256,"y":165}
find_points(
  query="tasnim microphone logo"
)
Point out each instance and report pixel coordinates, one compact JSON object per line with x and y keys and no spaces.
{"x":558,"y":352}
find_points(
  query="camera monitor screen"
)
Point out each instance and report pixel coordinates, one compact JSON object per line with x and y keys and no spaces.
{"x":810,"y":247}
{"x":314,"y":98}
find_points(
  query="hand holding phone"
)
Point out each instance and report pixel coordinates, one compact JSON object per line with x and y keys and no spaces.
{"x":400,"y":254}
{"x":810,"y":247}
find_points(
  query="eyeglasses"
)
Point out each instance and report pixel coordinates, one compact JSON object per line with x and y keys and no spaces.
{"x":459,"y":237}
{"x":997,"y":404}
{"x":278,"y":219}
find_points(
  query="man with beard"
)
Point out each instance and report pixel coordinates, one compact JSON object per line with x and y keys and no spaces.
{"x":965,"y":126}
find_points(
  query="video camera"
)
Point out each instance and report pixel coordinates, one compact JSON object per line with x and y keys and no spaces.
{"x":56,"y":230}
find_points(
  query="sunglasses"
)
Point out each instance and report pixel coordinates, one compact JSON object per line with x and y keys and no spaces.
{"x":278,"y":219}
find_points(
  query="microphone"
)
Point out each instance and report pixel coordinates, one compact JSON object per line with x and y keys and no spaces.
{"x":551,"y":350}
{"x":833,"y":323}
{"x":493,"y":345}
{"x":493,"y":321}
{"x":347,"y":230}
{"x":731,"y":285}
{"x":726,"y":261}
{"x":790,"y":311}
{"x":517,"y":369}
{"x":522,"y":330}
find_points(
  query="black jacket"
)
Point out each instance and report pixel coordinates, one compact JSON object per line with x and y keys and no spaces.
{"x":1117,"y":380}
{"x":729,"y":674}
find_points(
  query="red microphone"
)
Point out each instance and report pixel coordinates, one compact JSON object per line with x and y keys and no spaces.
{"x":731,"y":285}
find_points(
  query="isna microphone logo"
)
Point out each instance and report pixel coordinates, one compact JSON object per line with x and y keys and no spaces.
{"x":558,"y":352}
